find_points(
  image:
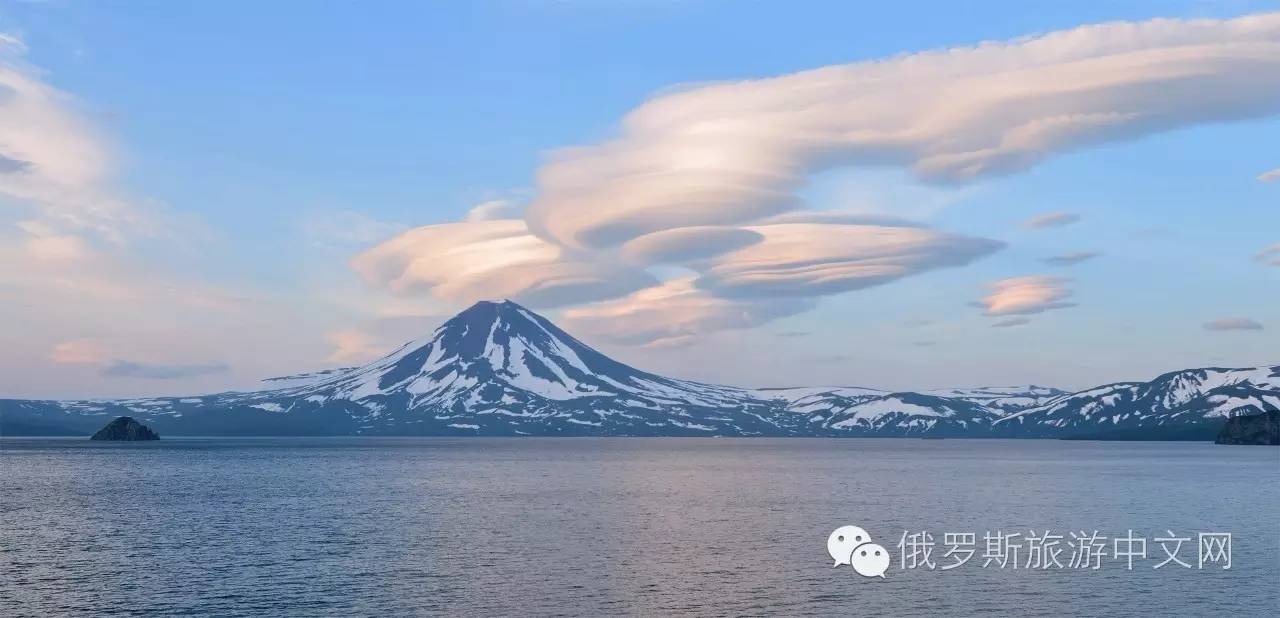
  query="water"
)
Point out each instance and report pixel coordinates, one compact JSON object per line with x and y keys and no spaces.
{"x":317,"y":526}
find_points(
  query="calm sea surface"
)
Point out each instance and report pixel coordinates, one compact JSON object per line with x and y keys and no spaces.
{"x":363,"y":526}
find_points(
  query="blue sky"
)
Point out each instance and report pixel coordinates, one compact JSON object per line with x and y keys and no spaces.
{"x":269,"y":146}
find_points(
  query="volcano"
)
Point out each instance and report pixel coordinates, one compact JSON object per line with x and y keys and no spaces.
{"x":499,"y":369}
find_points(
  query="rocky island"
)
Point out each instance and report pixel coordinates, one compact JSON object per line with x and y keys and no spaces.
{"x":125,"y":428}
{"x":1251,"y":429}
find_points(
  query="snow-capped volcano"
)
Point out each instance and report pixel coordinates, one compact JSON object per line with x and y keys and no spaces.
{"x":494,"y":369}
{"x":500,"y":369}
{"x":501,"y":355}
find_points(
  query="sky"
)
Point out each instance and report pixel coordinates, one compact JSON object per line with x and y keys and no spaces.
{"x":911,"y":195}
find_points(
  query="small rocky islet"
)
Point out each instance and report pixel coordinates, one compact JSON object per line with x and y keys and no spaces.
{"x":126,"y":429}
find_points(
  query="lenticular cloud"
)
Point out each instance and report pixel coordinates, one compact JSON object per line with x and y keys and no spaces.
{"x":465,"y":261}
{"x":707,"y":179}
{"x":730,"y":153}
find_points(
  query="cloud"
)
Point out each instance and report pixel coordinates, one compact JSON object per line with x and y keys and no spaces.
{"x":1270,"y":176}
{"x":832,"y":358}
{"x":44,"y":243}
{"x":53,"y":159}
{"x":1269,"y":256}
{"x":12,"y":43}
{"x":730,"y":153}
{"x":1232,"y":324}
{"x":1051,"y":219}
{"x":807,"y":259}
{"x":79,"y":351}
{"x":1011,"y":322}
{"x":1071,"y":259}
{"x":837,"y":217}
{"x":494,"y":210}
{"x":377,"y":337}
{"x":13,"y":166}
{"x":1026,"y":295}
{"x":687,"y":244}
{"x":129,"y":369}
{"x":674,"y":313}
{"x":353,"y":346}
{"x":708,"y":178}
{"x":469,"y":261}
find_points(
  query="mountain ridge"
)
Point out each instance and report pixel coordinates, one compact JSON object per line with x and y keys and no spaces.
{"x":497,"y":368}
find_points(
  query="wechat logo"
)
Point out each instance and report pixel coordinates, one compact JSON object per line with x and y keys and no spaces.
{"x":852,"y":545}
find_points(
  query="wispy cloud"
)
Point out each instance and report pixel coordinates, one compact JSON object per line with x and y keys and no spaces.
{"x":1269,"y":256}
{"x":12,"y":43}
{"x":1050,"y":219}
{"x":1026,"y":295}
{"x":1270,"y":176}
{"x":1232,"y":324}
{"x":129,"y":369}
{"x":55,"y":161}
{"x":378,"y":336}
{"x":79,"y":351}
{"x":1071,"y":259}
{"x":1011,"y":322}
{"x":494,"y":210}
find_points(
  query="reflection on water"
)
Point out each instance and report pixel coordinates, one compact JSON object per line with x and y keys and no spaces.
{"x":589,"y":526}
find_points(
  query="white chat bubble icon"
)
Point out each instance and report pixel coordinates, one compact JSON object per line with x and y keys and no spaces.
{"x":842,"y":541}
{"x":870,"y":560}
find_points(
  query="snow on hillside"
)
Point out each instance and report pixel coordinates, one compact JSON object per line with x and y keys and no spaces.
{"x":1188,"y":396}
{"x":499,"y":369}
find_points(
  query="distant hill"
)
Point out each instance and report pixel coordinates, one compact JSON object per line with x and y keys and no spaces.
{"x":498,"y":369}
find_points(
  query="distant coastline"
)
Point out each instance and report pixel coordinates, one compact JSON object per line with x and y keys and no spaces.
{"x":499,"y":369}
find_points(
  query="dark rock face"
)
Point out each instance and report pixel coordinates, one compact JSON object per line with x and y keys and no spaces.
{"x":125,"y":428}
{"x":1252,"y":429}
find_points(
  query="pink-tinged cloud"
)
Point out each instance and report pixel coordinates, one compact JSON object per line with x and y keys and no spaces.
{"x":79,"y":351}
{"x":1270,"y":176}
{"x":46,"y":244}
{"x":53,"y":159}
{"x":1232,"y":324}
{"x":353,"y":347}
{"x":469,"y":261}
{"x":687,"y":244}
{"x":810,"y":259}
{"x":731,"y":153}
{"x":1026,"y":295}
{"x":673,"y":313}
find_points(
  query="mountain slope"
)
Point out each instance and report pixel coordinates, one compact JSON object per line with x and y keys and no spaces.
{"x":494,"y":369}
{"x":500,"y":369}
{"x":1192,"y":396}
